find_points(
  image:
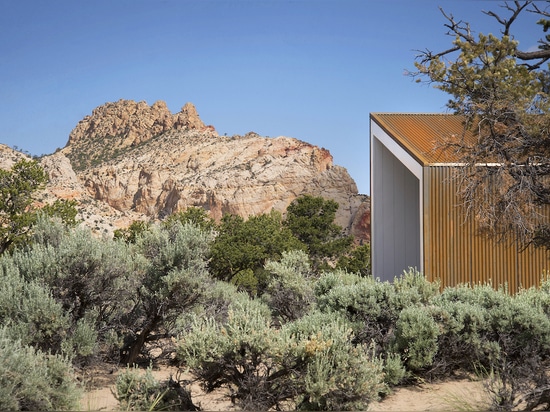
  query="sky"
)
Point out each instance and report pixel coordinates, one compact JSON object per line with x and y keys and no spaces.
{"x":308,"y":69}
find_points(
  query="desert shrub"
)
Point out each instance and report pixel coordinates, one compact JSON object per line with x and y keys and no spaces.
{"x":323,"y":343}
{"x":246,"y":245}
{"x":311,"y":220}
{"x":242,"y":353}
{"x":28,"y":311}
{"x":175,"y":280}
{"x":304,"y":364}
{"x":137,"y":391}
{"x":195,"y":215}
{"x":33,"y":380}
{"x":289,"y":292}
{"x":368,"y":303}
{"x":94,"y":280}
{"x":131,"y":233}
{"x":506,"y":336}
{"x":416,"y":334}
{"x":413,"y":288}
{"x":372,"y":306}
{"x":358,"y":260}
{"x":394,"y":369}
{"x":63,"y":210}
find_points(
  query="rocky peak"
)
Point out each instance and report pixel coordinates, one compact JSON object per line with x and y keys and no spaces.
{"x":131,"y":160}
{"x":134,"y":122}
{"x":113,"y":127}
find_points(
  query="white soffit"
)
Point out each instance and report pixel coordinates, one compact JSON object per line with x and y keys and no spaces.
{"x":410,"y":162}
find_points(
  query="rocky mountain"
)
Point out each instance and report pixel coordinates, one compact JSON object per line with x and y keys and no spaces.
{"x":128,"y":160}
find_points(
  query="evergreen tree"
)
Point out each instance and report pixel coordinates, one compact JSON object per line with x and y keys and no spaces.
{"x":311,"y":220}
{"x":17,"y":187}
{"x":502,"y":92}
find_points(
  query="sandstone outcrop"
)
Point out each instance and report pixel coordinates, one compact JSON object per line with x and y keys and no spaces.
{"x":130,"y":161}
{"x":114,"y":127}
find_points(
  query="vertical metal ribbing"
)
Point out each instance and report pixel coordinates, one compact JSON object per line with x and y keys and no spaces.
{"x":456,"y":252}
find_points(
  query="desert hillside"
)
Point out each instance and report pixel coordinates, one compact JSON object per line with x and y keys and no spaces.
{"x":128,"y":160}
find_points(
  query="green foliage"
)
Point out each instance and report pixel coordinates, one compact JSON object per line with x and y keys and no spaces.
{"x":504,"y":100}
{"x":17,"y":187}
{"x":132,"y":232}
{"x":508,"y":336}
{"x":29,"y":313}
{"x":95,"y":281}
{"x":416,"y":334}
{"x":289,"y":292}
{"x":372,"y":306}
{"x":357,"y":261}
{"x":386,"y":315}
{"x":33,"y":380}
{"x":311,"y":220}
{"x":142,"y":392}
{"x":248,"y":244}
{"x":196,"y":215}
{"x":305,"y":364}
{"x":324,"y":342}
{"x":63,"y":209}
{"x":175,"y":280}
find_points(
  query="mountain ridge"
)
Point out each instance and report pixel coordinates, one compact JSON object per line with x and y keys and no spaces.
{"x":130,"y":161}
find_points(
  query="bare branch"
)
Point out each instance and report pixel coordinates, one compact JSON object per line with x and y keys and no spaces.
{"x":515,"y":13}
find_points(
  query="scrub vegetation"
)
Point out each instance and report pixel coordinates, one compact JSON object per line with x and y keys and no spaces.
{"x":276,"y":310}
{"x":281,"y":310}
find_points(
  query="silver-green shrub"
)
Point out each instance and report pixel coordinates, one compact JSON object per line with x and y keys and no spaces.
{"x":31,"y":380}
{"x":305,"y":364}
{"x":416,"y":337}
{"x":323,"y":342}
{"x":136,"y":391}
{"x":289,"y":292}
{"x":175,"y":280}
{"x":507,"y":336}
{"x":94,"y":280}
{"x":28,"y":311}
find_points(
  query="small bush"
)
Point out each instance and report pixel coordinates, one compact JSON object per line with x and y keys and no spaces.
{"x":142,"y":392}
{"x":29,"y":312}
{"x":368,"y":303}
{"x":416,"y":334}
{"x":507,"y":336}
{"x":32,"y":380}
{"x":289,"y":292}
{"x":306,"y":363}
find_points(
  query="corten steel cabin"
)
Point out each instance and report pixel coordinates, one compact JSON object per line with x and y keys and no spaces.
{"x":416,"y":217}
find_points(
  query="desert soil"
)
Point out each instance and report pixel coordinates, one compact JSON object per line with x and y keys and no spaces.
{"x":457,"y":394}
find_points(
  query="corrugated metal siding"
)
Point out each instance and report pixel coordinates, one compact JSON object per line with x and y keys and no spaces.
{"x":422,"y":134}
{"x":455,"y":252}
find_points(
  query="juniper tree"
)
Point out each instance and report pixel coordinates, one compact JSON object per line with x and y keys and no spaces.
{"x":502,"y":92}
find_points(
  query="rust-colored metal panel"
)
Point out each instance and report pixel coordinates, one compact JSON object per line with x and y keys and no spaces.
{"x":421,"y":135}
{"x":454,"y":250}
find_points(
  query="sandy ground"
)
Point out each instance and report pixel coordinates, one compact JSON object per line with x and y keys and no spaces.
{"x":452,"y":395}
{"x":101,"y":383}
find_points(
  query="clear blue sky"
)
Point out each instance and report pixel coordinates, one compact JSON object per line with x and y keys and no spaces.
{"x":309,"y":69}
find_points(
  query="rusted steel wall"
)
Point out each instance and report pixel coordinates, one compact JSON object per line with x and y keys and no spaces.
{"x":454,"y":250}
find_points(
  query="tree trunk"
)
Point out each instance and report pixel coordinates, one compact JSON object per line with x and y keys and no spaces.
{"x":131,"y":353}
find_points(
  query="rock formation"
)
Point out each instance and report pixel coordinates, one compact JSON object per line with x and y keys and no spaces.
{"x":132,"y":161}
